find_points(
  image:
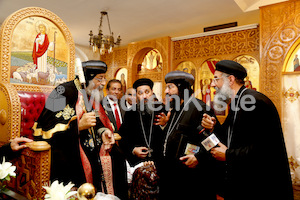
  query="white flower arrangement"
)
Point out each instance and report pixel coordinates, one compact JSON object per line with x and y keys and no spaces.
{"x":57,"y":191}
{"x":6,"y":171}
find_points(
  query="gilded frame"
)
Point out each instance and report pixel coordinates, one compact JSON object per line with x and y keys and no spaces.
{"x":7,"y":30}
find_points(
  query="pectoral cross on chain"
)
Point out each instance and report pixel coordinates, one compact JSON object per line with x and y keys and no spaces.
{"x":149,"y":152}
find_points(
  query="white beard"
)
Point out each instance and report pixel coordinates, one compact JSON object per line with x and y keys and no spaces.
{"x":223,"y":96}
{"x":96,"y":95}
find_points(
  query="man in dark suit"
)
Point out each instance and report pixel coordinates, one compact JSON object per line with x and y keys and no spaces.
{"x":111,"y":103}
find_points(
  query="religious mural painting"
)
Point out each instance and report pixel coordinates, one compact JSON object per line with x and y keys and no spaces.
{"x":292,"y":64}
{"x":151,"y":66}
{"x":206,"y":73}
{"x":151,"y":62}
{"x":122,"y":75}
{"x":189,"y":67}
{"x":39,"y":53}
{"x":252,"y":67}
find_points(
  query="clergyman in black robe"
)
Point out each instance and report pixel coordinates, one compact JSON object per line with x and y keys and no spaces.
{"x":185,"y":175}
{"x":254,"y":151}
{"x":78,"y":139}
{"x":141,"y":138}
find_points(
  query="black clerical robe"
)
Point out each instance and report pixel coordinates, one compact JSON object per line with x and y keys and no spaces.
{"x":58,"y":125}
{"x":177,"y":180}
{"x":133,"y":136}
{"x":256,"y":162}
{"x":8,"y":153}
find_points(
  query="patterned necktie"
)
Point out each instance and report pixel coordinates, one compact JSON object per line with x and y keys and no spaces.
{"x":118,"y":121}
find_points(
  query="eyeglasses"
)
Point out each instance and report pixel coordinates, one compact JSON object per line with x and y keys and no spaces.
{"x":215,"y":80}
{"x":100,"y":79}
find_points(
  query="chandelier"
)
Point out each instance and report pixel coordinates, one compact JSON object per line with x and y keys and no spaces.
{"x":104,"y":43}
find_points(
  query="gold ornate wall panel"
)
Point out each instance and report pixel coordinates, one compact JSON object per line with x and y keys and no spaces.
{"x":129,"y":57}
{"x":120,"y":57}
{"x":136,"y":53}
{"x":280,"y":29}
{"x":234,"y":43}
{"x":222,"y":46}
{"x":115,"y":61}
{"x":7,"y":33}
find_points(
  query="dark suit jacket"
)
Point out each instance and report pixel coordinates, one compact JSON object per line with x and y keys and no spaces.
{"x":110,"y":112}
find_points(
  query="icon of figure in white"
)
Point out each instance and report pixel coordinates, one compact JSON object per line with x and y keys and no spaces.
{"x":41,"y":47}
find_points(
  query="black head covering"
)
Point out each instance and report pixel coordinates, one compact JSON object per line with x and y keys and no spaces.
{"x":182,"y":80}
{"x":93,"y":67}
{"x":179,"y":77}
{"x":143,"y":81}
{"x":232,"y":68}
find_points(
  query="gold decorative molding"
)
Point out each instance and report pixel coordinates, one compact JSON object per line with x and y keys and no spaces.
{"x":137,"y":51}
{"x":239,"y":42}
{"x":280,"y":29}
{"x":7,"y":29}
{"x":115,"y":61}
{"x":120,"y":57}
{"x":3,"y":116}
{"x":291,"y":94}
{"x":10,"y":103}
{"x":38,"y":146}
{"x":128,"y":57}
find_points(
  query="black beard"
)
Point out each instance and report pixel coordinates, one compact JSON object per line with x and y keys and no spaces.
{"x":145,"y":107}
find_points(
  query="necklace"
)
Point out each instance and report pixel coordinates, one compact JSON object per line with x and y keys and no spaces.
{"x":234,"y":118}
{"x":148,"y":142}
{"x":172,"y":126}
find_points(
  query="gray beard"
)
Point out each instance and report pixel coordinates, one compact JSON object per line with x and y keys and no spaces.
{"x":96,"y":94}
{"x":223,"y":95}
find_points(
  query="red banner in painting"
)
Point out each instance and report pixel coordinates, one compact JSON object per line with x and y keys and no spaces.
{"x":212,"y":65}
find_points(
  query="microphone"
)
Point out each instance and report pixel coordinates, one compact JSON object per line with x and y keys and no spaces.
{"x":211,"y":140}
